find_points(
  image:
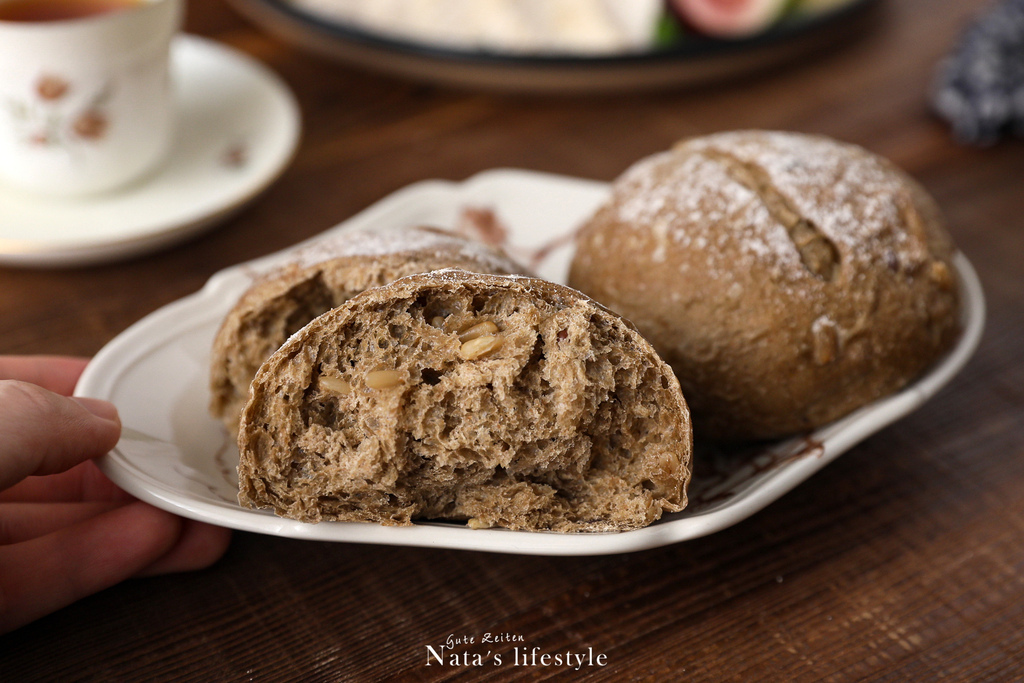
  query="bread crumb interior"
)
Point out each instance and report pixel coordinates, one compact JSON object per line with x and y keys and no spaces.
{"x":546,"y":430}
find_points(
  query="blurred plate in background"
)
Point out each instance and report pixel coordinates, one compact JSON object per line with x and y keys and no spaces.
{"x":687,"y":60}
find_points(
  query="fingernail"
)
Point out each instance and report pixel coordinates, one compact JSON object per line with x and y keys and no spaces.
{"x":98,"y":407}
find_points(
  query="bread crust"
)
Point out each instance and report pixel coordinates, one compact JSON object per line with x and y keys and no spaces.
{"x":376,"y":411}
{"x":318,"y":278}
{"x":788,"y":279}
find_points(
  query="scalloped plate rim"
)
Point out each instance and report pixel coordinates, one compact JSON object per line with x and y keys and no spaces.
{"x":207,"y":307}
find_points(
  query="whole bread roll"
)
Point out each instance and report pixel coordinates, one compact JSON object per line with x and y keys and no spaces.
{"x":501,"y":401}
{"x":788,"y":279}
{"x":318,"y":278}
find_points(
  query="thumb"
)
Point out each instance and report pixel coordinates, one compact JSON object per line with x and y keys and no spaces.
{"x":43,"y":433}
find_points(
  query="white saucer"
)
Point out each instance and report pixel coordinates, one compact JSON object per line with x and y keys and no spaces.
{"x":238,"y":128}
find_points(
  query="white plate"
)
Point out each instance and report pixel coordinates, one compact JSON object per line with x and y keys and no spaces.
{"x":238,"y":128}
{"x":691,"y":60}
{"x":177,"y":457}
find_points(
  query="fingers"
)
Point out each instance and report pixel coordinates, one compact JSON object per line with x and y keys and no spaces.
{"x":81,"y":483}
{"x":25,"y":521}
{"x":44,"y":574}
{"x":44,"y":433}
{"x":199,"y":546}
{"x":65,"y":530}
{"x":59,"y":374}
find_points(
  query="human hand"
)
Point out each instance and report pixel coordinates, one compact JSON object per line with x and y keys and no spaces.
{"x":66,"y":531}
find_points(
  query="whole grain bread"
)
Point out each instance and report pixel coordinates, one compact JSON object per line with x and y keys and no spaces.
{"x":788,"y":279}
{"x":501,"y":401}
{"x":316,"y":279}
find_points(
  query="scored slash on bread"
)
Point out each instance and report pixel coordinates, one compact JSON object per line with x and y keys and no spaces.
{"x":501,"y":401}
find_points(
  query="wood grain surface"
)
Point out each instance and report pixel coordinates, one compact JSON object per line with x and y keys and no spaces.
{"x":901,"y":561}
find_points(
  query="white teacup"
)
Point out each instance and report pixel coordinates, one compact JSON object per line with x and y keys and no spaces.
{"x":86,"y":104}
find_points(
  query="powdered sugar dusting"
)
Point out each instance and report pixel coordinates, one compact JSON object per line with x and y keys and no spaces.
{"x":379,"y":243}
{"x":821,"y":323}
{"x":852,"y":197}
{"x":686,"y":197}
{"x":456,"y":275}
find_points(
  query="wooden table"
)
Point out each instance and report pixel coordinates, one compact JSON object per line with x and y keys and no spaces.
{"x":903,"y":560}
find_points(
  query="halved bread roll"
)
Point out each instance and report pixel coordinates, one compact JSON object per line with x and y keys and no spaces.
{"x":318,"y":278}
{"x":502,"y":401}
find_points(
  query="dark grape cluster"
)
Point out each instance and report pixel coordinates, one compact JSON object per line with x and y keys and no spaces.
{"x":980,"y":86}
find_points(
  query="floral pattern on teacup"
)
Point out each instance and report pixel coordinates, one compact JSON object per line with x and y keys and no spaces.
{"x":44,"y":119}
{"x":51,"y":87}
{"x":235,"y":155}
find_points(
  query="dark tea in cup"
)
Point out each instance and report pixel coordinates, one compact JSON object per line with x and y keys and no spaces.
{"x":60,"y":10}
